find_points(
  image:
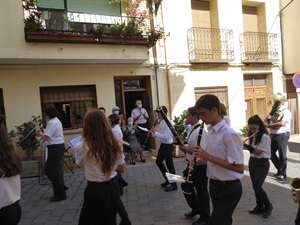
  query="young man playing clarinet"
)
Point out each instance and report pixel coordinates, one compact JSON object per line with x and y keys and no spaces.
{"x":195,"y":191}
{"x":225,"y":161}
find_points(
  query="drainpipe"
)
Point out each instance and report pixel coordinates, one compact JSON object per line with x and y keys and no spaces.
{"x":154,"y":52}
{"x":167,"y":67}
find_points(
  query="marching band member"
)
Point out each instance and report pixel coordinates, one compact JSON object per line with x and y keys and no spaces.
{"x":198,"y":198}
{"x":225,"y":161}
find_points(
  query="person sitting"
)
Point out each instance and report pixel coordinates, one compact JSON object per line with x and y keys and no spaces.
{"x":130,"y":135}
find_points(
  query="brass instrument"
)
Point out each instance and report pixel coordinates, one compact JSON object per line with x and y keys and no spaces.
{"x":187,"y":187}
{"x":275,"y":114}
{"x":295,"y":186}
{"x":176,"y":136}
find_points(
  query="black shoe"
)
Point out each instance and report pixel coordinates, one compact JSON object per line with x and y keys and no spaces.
{"x":66,"y":188}
{"x":143,"y":160}
{"x":171,"y":187}
{"x":191,"y":213}
{"x":268,"y":211}
{"x":199,"y":222}
{"x":257,"y":210}
{"x":57,"y":199}
{"x":165,"y":184}
{"x":280,"y":178}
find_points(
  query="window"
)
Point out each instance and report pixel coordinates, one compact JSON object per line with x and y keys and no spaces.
{"x":72,"y":102}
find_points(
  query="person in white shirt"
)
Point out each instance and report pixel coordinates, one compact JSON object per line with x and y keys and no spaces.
{"x":223,"y":113}
{"x":140,"y":117}
{"x":259,"y":164}
{"x":225,"y":160}
{"x":54,"y":139}
{"x":101,"y":155}
{"x":196,"y":192}
{"x":165,"y":150}
{"x":280,"y":134}
{"x":10,"y":184}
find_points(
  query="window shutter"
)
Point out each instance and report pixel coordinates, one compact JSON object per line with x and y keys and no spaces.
{"x":94,"y":7}
{"x":51,"y":4}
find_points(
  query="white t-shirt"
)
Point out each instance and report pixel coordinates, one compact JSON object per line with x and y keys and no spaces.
{"x":92,"y":168}
{"x":10,"y":190}
{"x":287,"y":116}
{"x":54,"y":130}
{"x":117,"y":132}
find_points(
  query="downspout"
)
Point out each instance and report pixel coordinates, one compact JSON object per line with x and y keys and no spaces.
{"x":167,"y":66}
{"x":154,"y":52}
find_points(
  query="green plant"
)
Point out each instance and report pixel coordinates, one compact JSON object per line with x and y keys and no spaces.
{"x":244,"y":131}
{"x":180,"y":122}
{"x":156,"y":33}
{"x":33,"y":17}
{"x":25,"y":136}
{"x":117,"y":29}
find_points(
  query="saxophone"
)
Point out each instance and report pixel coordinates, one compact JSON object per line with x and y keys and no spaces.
{"x":187,"y":187}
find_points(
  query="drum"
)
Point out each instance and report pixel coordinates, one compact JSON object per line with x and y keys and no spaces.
{"x":76,"y":142}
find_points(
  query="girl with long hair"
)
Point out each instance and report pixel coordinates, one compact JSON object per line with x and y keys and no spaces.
{"x":259,"y":164}
{"x":101,"y":155}
{"x":10,"y":184}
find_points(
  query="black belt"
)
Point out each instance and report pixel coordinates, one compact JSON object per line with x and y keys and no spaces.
{"x":224,"y":182}
{"x":275,"y":135}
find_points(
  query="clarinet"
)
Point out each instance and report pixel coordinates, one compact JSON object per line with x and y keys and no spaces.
{"x":148,"y":135}
{"x":178,"y":139}
{"x":187,"y":188}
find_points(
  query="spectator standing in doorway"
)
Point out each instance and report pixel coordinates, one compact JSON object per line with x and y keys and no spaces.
{"x":140,"y":117}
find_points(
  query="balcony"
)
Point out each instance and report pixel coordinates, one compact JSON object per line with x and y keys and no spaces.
{"x":52,"y":27}
{"x":207,"y":45}
{"x":258,"y":47}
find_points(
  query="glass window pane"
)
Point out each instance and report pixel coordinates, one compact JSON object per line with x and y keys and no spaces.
{"x":247,"y":83}
{"x":259,"y":82}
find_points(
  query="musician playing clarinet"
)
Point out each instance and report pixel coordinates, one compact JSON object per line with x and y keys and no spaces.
{"x":165,"y":150}
{"x":225,"y":161}
{"x":197,"y":197}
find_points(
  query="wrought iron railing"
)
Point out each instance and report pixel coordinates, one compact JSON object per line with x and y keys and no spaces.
{"x":210,"y":45}
{"x":259,"y":47}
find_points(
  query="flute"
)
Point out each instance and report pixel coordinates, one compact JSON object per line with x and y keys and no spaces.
{"x":252,"y":135}
{"x":29,"y":134}
{"x":249,"y":147}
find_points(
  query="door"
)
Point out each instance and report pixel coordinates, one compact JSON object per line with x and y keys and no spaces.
{"x":256,"y":96}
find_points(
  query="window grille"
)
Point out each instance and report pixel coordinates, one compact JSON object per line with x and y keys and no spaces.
{"x":72,"y":102}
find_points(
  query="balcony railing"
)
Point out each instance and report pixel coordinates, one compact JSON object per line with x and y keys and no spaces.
{"x":69,"y":27}
{"x":210,"y":45}
{"x":258,"y":47}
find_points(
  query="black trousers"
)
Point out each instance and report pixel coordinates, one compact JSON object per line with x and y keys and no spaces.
{"x":165,"y":154}
{"x":279,"y":143}
{"x":11,"y":214}
{"x":101,"y":202}
{"x":225,"y":196}
{"x":54,"y":169}
{"x":198,"y":200}
{"x":258,"y":169}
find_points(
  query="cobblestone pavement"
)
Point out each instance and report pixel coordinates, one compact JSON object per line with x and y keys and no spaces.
{"x":148,"y":204}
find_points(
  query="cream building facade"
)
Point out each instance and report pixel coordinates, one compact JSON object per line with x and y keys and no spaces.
{"x":228,"y":48}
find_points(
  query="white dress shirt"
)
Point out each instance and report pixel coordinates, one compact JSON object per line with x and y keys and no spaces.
{"x":264,"y":145}
{"x":287,"y":116}
{"x":143,"y":118}
{"x":10,"y":190}
{"x":225,"y":143}
{"x":164,"y":133}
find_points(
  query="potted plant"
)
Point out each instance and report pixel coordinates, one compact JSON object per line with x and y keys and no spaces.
{"x":180,"y":126}
{"x":25,"y":137}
